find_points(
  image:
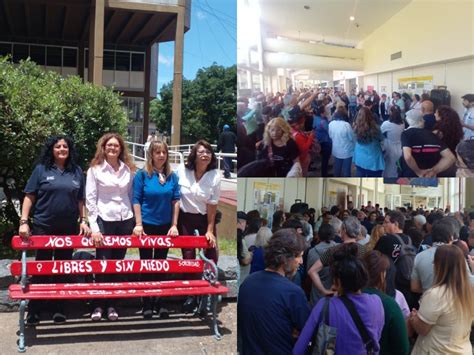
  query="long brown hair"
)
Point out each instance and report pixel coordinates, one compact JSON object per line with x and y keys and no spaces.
{"x":376,"y":263}
{"x":156,"y":146}
{"x":124,"y":155}
{"x":365,"y":127}
{"x":450,"y":271}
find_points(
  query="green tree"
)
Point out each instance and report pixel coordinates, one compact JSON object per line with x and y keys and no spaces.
{"x":208,"y":102}
{"x":35,"y":104}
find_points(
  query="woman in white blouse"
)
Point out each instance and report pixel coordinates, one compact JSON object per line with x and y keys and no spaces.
{"x":108,"y":200}
{"x":200,"y":188}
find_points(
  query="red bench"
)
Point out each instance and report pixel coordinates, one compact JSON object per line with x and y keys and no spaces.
{"x":208,"y":286}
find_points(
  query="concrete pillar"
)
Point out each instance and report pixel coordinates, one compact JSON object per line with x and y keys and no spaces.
{"x":146,"y":103}
{"x":96,"y":43}
{"x":177,"y":79}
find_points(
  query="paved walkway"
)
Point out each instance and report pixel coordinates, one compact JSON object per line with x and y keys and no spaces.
{"x":131,"y":334}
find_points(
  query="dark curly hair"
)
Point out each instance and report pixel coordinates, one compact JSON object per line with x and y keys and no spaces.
{"x":191,"y":161}
{"x":365,"y":127}
{"x":395,"y":115}
{"x":284,"y":245}
{"x":348,"y":268}
{"x":47,"y":157}
{"x":449,"y":127}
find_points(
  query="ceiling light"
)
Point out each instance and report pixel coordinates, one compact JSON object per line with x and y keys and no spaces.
{"x":352,"y":18}
{"x":312,"y":42}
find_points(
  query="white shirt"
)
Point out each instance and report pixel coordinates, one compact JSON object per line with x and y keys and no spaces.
{"x":468,"y":119}
{"x":196,"y":195}
{"x":109,"y":194}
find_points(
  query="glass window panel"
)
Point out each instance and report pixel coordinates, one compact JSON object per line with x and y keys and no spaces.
{"x":53,"y":56}
{"x":138,"y":62}
{"x":122,"y":61}
{"x":5,"y":48}
{"x":20,"y":51}
{"x":38,"y":54}
{"x":70,"y":57}
{"x":109,"y":60}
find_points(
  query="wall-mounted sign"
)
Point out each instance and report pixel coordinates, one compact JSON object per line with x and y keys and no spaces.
{"x":416,"y":85}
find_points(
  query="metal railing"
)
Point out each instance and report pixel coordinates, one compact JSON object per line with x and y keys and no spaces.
{"x":139,"y":154}
{"x":182,"y":151}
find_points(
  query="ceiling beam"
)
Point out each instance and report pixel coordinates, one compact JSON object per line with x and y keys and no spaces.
{"x":7,"y":17}
{"x":168,"y":24}
{"x":65,"y":18}
{"x":151,"y":19}
{"x":85,"y":27}
{"x":45,"y":21}
{"x":127,"y":27}
{"x":110,"y":21}
{"x":27,"y":9}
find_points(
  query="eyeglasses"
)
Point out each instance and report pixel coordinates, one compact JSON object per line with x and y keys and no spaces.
{"x":204,"y":152}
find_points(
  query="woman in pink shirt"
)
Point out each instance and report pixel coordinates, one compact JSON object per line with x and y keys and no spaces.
{"x":108,"y":200}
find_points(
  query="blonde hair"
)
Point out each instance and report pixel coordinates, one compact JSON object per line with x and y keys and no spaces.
{"x":282,"y":124}
{"x":450,"y":272}
{"x":156,"y":146}
{"x":124,"y":155}
{"x":377,"y":232}
{"x":263,"y":236}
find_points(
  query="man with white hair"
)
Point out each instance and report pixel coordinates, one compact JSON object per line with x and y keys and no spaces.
{"x":419,"y":221}
{"x":424,"y":154}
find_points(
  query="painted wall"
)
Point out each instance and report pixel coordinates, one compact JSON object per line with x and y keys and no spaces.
{"x":425,"y":31}
{"x":458,"y":76}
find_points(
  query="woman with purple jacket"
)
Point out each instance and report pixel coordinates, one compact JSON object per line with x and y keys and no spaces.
{"x":350,"y":277}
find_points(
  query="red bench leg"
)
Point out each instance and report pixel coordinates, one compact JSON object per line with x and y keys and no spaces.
{"x":21,"y":339}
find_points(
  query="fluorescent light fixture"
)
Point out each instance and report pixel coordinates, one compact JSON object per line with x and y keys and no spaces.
{"x":312,"y":42}
{"x":280,"y":37}
{"x":352,"y":18}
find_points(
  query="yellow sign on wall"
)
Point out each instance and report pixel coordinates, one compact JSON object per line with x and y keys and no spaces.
{"x":417,"y":78}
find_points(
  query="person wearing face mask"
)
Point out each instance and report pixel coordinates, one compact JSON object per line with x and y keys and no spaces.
{"x":156,"y":207}
{"x":109,"y":205}
{"x":271,"y":309}
{"x":56,"y":191}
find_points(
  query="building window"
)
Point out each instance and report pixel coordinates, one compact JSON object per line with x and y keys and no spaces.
{"x":122,"y":61}
{"x":109,"y":60}
{"x":138,"y":62}
{"x":5,"y":48}
{"x":53,"y":56}
{"x":20,"y":52}
{"x":70,"y":57}
{"x":38,"y":54}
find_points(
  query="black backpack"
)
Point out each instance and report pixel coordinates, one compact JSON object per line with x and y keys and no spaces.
{"x":404,"y":262}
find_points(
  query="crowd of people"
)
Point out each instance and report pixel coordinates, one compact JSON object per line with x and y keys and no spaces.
{"x":299,"y":133}
{"x":117,"y":199}
{"x":384,"y":281}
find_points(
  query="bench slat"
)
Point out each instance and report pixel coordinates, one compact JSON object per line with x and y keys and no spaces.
{"x":139,"y":285}
{"x":131,"y":293}
{"x":82,"y":267}
{"x":110,"y":241}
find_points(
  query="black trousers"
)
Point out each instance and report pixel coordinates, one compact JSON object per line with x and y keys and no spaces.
{"x":153,"y":253}
{"x":111,"y":228}
{"x":37,"y":306}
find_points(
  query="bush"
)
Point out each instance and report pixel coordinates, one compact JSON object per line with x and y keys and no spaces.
{"x":35,"y":104}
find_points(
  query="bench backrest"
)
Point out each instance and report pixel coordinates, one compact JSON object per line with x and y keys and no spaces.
{"x":84,"y":267}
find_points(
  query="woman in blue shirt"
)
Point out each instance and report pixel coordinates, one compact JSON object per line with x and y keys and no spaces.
{"x":321,"y":127}
{"x":56,"y":191}
{"x":368,"y":156}
{"x":156,"y":207}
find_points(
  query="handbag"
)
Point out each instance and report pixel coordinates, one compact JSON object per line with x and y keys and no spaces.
{"x":323,"y":341}
{"x":366,"y":338}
